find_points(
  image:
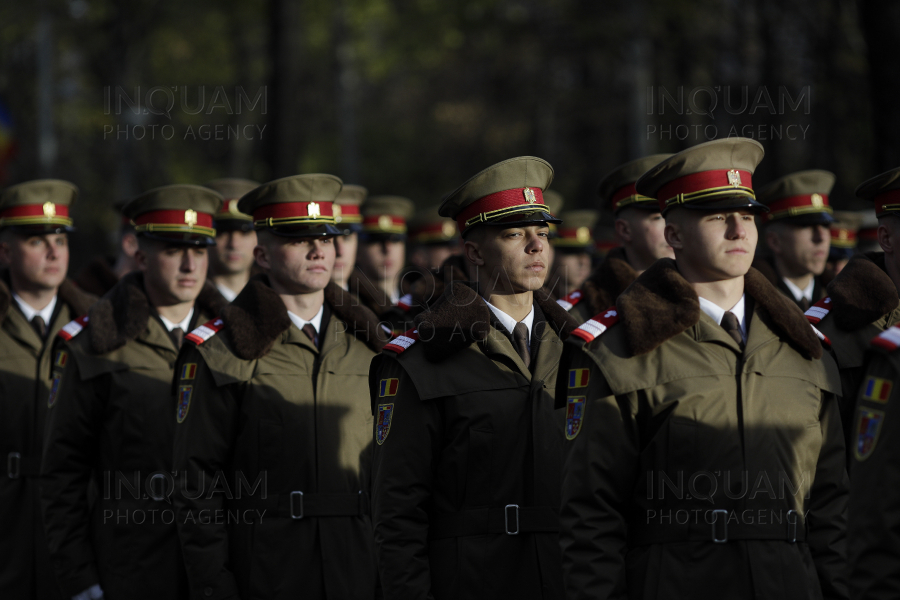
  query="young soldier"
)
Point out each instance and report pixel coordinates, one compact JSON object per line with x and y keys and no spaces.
{"x":863,"y":300}
{"x":705,"y":457}
{"x":432,"y":240}
{"x":843,"y":239}
{"x":110,"y":409}
{"x":102,"y":273}
{"x":36,"y":300}
{"x":348,"y":220}
{"x":573,"y":251}
{"x":232,"y":257}
{"x":639,"y":232}
{"x":466,"y":469}
{"x":272,"y":395}
{"x":798,"y":235}
{"x":874,"y":517}
{"x":382,"y":252}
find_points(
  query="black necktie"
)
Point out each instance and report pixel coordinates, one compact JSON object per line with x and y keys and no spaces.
{"x":177,"y":337}
{"x":310,"y":332}
{"x":520,"y":337}
{"x":37,"y":322}
{"x":731,"y":324}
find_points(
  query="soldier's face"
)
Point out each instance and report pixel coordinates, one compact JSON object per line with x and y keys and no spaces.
{"x":712,"y":246}
{"x":381,"y":260}
{"x":37,"y":262}
{"x":345,"y":256}
{"x":801,"y":250}
{"x":297,"y":265}
{"x":234,"y":252}
{"x":511,"y":260}
{"x":173,"y":274}
{"x":572,"y":269}
{"x":648,"y":236}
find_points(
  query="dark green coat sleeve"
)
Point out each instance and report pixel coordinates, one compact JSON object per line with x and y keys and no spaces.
{"x":403,"y":472}
{"x":204,"y":437}
{"x":601,"y":463}
{"x":74,"y":421}
{"x":827,"y":518}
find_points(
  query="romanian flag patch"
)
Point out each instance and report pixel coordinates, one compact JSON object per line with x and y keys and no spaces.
{"x":189,"y":370}
{"x":574,"y":416}
{"x":383,"y":421}
{"x":54,"y":389}
{"x":184,"y":401}
{"x":61,"y":357}
{"x":868,"y":426}
{"x":578,"y":378}
{"x":388,"y":387}
{"x":877,"y":390}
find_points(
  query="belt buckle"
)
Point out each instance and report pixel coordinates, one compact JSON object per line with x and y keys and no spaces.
{"x":716,"y":539}
{"x":506,"y":513}
{"x":792,"y":526}
{"x":294,"y":514}
{"x":14,"y":465}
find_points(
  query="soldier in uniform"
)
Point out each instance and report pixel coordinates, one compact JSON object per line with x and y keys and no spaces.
{"x":639,"y":232}
{"x":231,"y":260}
{"x":862,"y":300}
{"x":348,"y":220}
{"x":36,"y":300}
{"x":102,"y":273}
{"x":432,"y":240}
{"x":466,"y":467}
{"x":110,"y":419}
{"x":705,"y":457}
{"x":273,"y":394}
{"x":874,"y":520}
{"x":844,"y":232}
{"x":798,"y":234}
{"x":573,"y":249}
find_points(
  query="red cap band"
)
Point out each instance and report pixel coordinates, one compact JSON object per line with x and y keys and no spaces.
{"x":843,"y":238}
{"x":384,"y":224}
{"x":294,"y":210}
{"x":696,"y":183}
{"x":628,"y":195}
{"x":36,"y":210}
{"x":189,"y":218}
{"x":797,"y":205}
{"x":499,"y":205}
{"x":434,"y":231}
{"x":346,"y":213}
{"x":887,"y":202}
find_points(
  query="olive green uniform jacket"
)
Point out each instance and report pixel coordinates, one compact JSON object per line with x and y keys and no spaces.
{"x":874,"y":523}
{"x":288,"y":426}
{"x":669,"y":421}
{"x":111,"y":425}
{"x":601,"y":288}
{"x":25,"y":362}
{"x":862,"y":302}
{"x":465,"y":433}
{"x":767,"y":268}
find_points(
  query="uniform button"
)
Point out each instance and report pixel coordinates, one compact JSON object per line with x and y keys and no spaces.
{"x":207,"y":591}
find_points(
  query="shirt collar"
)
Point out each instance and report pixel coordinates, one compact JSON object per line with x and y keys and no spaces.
{"x":509,"y":323}
{"x":227,"y":293}
{"x":316,"y":321}
{"x":46,"y":313}
{"x":184,"y":324}
{"x":716,"y":312}
{"x":798,"y":293}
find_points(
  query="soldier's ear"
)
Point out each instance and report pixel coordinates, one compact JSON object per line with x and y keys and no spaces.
{"x":623,"y":230}
{"x":773,"y":241}
{"x":261,"y":256}
{"x":886,"y":237}
{"x":473,"y":253}
{"x":673,"y":235}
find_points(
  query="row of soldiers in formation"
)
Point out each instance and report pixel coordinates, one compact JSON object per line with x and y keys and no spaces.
{"x":675,"y":427}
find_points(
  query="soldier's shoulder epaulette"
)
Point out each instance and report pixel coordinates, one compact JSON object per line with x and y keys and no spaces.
{"x":73,"y":328}
{"x":822,"y":337}
{"x":205,"y":331}
{"x":818,"y":311}
{"x":401,"y":343}
{"x":597,"y":325}
{"x":405,"y":302}
{"x":888,"y":340}
{"x":571,"y":300}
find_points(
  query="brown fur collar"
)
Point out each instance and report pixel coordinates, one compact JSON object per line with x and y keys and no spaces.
{"x":97,"y":277}
{"x":608,"y":281}
{"x":258,"y":317}
{"x":862,"y":292}
{"x":461,"y":317}
{"x":427,"y":289}
{"x":371,"y":295}
{"x":122,"y":314}
{"x":660,"y":304}
{"x":79,"y":301}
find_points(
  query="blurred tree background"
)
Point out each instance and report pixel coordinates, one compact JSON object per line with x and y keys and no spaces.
{"x":414,"y":97}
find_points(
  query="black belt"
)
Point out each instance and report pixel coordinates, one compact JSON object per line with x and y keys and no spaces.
{"x":20,"y":467}
{"x":300,"y":505}
{"x":791,"y":529}
{"x":509,"y":520}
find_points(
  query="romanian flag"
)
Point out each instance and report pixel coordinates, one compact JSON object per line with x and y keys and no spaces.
{"x":878,"y":390}
{"x":189,"y":370}
{"x":578,"y":378}
{"x":61,"y":357}
{"x":388,"y":387}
